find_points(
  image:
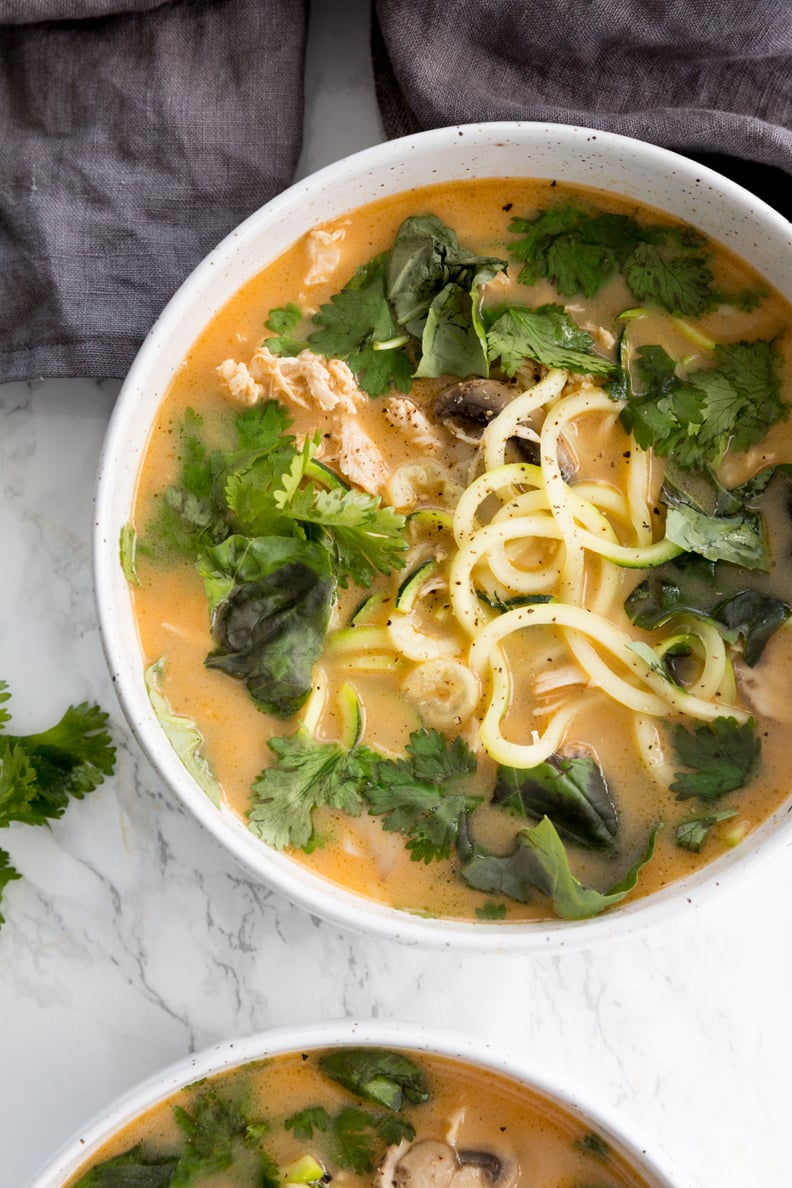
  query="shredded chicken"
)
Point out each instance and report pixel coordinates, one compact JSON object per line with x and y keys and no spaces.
{"x":305,"y":379}
{"x":359,"y":459}
{"x":412,"y":422}
{"x":324,"y":254}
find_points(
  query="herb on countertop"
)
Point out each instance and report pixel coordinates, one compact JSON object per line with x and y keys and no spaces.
{"x":41,"y":773}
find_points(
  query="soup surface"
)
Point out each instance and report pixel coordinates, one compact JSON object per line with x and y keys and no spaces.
{"x":463,"y":552}
{"x":359,"y":1116}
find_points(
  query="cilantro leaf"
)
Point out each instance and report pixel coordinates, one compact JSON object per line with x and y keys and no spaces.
{"x":363,"y":537}
{"x":352,"y":1140}
{"x":281,"y":322}
{"x":306,"y":775}
{"x":729,"y":405}
{"x":39,"y":773}
{"x":573,"y":793}
{"x":722,"y":755}
{"x":691,"y":834}
{"x":422,"y":794}
{"x":547,"y":335}
{"x":579,"y":252}
{"x":358,"y":320}
{"x":491,"y":911}
{"x":7,"y":875}
{"x":306,"y":1121}
{"x":378,"y":1075}
{"x":539,"y":862}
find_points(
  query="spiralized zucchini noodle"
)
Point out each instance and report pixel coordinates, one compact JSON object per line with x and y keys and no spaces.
{"x":533,"y":548}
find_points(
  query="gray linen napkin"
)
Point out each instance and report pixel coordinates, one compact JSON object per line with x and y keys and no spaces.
{"x":709,"y":78}
{"x":131,"y":141}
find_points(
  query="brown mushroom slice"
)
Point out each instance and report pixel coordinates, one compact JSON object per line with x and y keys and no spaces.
{"x":467,"y":407}
{"x":485,"y":1169}
{"x":426,"y":1164}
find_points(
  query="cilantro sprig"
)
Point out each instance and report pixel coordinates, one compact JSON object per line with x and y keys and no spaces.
{"x":721,"y":757}
{"x":578,"y":252}
{"x":425,"y":794}
{"x":546,"y":335}
{"x":41,"y":773}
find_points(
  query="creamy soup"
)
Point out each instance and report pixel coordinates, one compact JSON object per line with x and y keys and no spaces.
{"x":359,"y":1116}
{"x":463,"y":552}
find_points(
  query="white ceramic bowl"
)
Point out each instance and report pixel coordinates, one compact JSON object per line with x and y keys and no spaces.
{"x":656,"y":1169}
{"x":627,"y":167}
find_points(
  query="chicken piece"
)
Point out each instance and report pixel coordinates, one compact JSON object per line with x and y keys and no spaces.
{"x":324,"y":254}
{"x":412,"y":423}
{"x":359,"y":459}
{"x":305,"y":379}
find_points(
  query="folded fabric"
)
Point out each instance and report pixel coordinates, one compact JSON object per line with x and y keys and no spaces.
{"x":131,"y":142}
{"x":713,"y":80}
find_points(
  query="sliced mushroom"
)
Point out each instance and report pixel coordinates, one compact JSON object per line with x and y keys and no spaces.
{"x":431,"y":1164}
{"x":467,"y":407}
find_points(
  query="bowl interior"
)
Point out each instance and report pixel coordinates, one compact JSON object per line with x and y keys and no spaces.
{"x":632,"y":169}
{"x":226,"y":1056}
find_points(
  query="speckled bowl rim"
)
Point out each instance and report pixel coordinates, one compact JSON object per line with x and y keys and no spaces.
{"x":655,"y":1166}
{"x":602,"y":160}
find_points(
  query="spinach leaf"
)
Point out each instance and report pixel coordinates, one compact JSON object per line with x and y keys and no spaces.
{"x":547,"y":335}
{"x":182,"y":734}
{"x":722,"y":756}
{"x":270,"y":631}
{"x":377,"y":1075}
{"x":132,"y":1169}
{"x":573,"y":793}
{"x":739,"y":539}
{"x":425,"y":258}
{"x":306,"y":775}
{"x":539,"y":862}
{"x":243,"y":559}
{"x":691,"y":834}
{"x":451,"y":343}
{"x":690,"y":585}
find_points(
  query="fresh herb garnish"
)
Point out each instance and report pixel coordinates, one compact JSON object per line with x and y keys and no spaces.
{"x":40,"y":773}
{"x":423,"y":795}
{"x":539,"y":862}
{"x":377,"y":1075}
{"x":491,"y":911}
{"x":577,"y":252}
{"x":729,"y":405}
{"x":593,"y":1144}
{"x":573,"y":793}
{"x":722,"y":755}
{"x":281,"y":322}
{"x":691,"y":834}
{"x":306,"y":775}
{"x":305,"y":1122}
{"x":546,"y":335}
{"x":132,"y":1167}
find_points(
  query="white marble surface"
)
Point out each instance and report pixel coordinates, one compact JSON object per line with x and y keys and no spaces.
{"x":132,"y":939}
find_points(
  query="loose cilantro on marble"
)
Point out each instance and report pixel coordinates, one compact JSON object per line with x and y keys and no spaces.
{"x":41,"y":773}
{"x":721,"y":757}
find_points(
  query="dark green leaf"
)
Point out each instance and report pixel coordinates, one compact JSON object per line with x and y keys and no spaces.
{"x":491,"y":911}
{"x":451,"y":343}
{"x":426,"y":257}
{"x":132,"y":1169}
{"x":573,"y":793}
{"x":378,"y":1075}
{"x":353,"y":1141}
{"x":270,"y":632}
{"x":306,"y":1121}
{"x":281,"y":322}
{"x":577,"y":252}
{"x":421,"y":796}
{"x":539,"y":862}
{"x":306,"y":775}
{"x":691,"y":834}
{"x":546,"y":335}
{"x":722,"y":755}
{"x":395,"y":1130}
{"x":593,"y":1144}
{"x":7,"y":875}
{"x":680,"y":283}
